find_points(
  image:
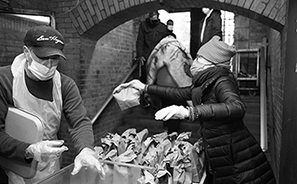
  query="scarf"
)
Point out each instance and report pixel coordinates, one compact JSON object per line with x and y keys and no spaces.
{"x":203,"y":79}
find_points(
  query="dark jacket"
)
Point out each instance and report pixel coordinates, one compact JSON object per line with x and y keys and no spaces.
{"x":213,"y":27}
{"x":233,"y":155}
{"x":148,"y":37}
{"x":170,"y":33}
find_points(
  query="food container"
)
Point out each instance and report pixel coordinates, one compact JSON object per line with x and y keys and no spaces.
{"x":85,"y":176}
{"x":115,"y":173}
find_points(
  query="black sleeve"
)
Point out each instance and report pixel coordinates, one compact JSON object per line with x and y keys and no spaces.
{"x":9,"y":147}
{"x":229,"y":104}
{"x":217,"y":24}
{"x":80,"y":125}
{"x":170,"y":93}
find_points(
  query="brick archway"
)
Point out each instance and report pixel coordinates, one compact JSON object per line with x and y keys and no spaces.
{"x":95,"y":18}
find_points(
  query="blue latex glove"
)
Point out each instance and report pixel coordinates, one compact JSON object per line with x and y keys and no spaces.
{"x":88,"y":158}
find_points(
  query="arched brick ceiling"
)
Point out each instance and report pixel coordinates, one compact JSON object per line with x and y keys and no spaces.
{"x":95,"y":18}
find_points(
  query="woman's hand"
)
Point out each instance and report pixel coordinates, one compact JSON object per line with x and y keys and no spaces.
{"x":142,"y":61}
{"x":136,"y":84}
{"x":172,"y":112}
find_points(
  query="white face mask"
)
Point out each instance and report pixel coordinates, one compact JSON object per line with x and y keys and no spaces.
{"x":40,"y":71}
{"x":170,"y":27}
{"x":199,"y":64}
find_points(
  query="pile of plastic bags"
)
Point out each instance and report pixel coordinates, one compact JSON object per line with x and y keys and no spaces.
{"x":157,"y":159}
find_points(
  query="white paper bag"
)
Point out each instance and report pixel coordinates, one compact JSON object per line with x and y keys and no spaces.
{"x":127,"y":98}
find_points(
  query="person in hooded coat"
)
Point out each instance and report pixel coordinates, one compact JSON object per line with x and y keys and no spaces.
{"x":150,"y":32}
{"x":233,"y":156}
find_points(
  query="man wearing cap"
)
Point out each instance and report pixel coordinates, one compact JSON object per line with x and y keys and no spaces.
{"x":32,"y":83}
{"x":232,"y":153}
{"x":150,"y":32}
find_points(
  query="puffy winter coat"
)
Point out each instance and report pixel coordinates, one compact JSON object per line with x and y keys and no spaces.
{"x":233,"y":155}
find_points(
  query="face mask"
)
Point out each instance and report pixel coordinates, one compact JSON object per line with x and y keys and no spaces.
{"x":154,"y":22}
{"x":40,"y":71}
{"x":170,"y":27}
{"x":199,"y":64}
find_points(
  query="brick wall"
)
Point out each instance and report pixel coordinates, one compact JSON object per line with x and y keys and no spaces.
{"x":108,"y":65}
{"x":275,"y":84}
{"x":13,"y":30}
{"x":248,"y":33}
{"x":73,"y":41}
{"x":276,"y":74}
{"x":88,"y":15}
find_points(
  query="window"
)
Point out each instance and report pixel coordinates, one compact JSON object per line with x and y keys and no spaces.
{"x":228,"y":26}
{"x":181,"y":28}
{"x":182,"y":23}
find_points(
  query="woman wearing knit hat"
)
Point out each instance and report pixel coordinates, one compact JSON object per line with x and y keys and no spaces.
{"x":233,"y":156}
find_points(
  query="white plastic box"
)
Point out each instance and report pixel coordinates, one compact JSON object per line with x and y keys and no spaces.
{"x":25,"y":127}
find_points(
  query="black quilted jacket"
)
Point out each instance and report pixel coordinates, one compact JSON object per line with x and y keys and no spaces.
{"x":233,"y":155}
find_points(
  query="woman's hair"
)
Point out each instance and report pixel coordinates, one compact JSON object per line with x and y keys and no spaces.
{"x":169,"y":22}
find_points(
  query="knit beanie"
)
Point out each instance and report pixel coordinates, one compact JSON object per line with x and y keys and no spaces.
{"x":217,"y":51}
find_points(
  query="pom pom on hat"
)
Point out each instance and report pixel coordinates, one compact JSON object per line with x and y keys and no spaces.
{"x":217,"y":51}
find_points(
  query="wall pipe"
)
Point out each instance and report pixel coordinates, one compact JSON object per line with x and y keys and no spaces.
{"x":263,"y":105}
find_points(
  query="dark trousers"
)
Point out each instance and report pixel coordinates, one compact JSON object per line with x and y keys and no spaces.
{"x":3,"y":177}
{"x":143,"y":74}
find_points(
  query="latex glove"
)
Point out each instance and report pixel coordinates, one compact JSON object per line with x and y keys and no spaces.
{"x":172,"y":112}
{"x":134,"y":84}
{"x":46,"y":150}
{"x":88,"y":158}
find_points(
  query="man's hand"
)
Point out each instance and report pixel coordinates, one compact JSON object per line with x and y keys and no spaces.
{"x":87,"y":158}
{"x":172,"y":112}
{"x":142,"y":60}
{"x":46,"y":150}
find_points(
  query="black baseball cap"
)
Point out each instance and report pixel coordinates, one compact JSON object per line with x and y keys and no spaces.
{"x":45,"y":41}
